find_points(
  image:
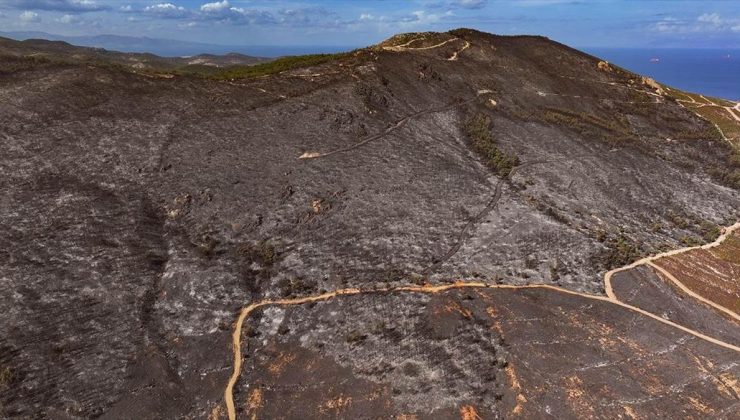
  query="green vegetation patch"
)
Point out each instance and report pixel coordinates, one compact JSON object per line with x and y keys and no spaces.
{"x":279,"y":65}
{"x":727,"y":176}
{"x":709,"y":231}
{"x":640,"y":103}
{"x":6,"y":377}
{"x":478,"y":129}
{"x":295,"y":287}
{"x":263,"y":253}
{"x":421,"y":39}
{"x":614,"y":130}
{"x":13,"y":64}
{"x":729,"y":250}
{"x":728,"y":173}
{"x":720,"y":116}
{"x":620,"y":251}
{"x":195,"y":70}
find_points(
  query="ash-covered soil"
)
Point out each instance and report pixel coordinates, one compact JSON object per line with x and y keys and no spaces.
{"x":139,"y":214}
{"x":531,"y":353}
{"x":644,"y":288}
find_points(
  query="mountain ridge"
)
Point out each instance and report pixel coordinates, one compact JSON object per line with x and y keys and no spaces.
{"x":142,"y":213}
{"x":172,"y":48}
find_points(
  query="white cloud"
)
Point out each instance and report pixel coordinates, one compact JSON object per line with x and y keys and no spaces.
{"x":216,"y":6}
{"x":667,"y":24}
{"x":163,"y":6}
{"x":29,"y":16}
{"x":705,"y":23}
{"x":711,"y":18}
{"x":167,"y":11}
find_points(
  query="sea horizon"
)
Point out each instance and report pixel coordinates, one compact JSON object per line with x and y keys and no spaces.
{"x":707,"y":71}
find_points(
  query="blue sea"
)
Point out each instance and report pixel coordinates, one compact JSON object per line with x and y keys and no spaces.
{"x":713,"y":72}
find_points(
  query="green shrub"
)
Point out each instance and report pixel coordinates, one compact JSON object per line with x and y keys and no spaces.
{"x":278,"y":65}
{"x":531,"y":262}
{"x":394,"y":275}
{"x":6,"y":376}
{"x":355,"y":336}
{"x":690,"y":240}
{"x":263,"y":253}
{"x":207,"y":246}
{"x":478,"y":129}
{"x":620,"y":250}
{"x":728,"y":174}
{"x":677,"y":220}
{"x":292,"y":287}
{"x":614,"y":130}
{"x":709,"y":231}
{"x":417,"y":279}
{"x":731,"y":178}
{"x":640,"y":103}
{"x":555,"y":270}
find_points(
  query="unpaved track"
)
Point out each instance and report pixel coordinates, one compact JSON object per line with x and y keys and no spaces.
{"x":462,"y":236}
{"x":456,"y":54}
{"x":730,"y":109}
{"x":432,"y":289}
{"x":400,"y":123}
{"x":650,"y":262}
{"x":691,"y":293}
{"x":405,"y":47}
{"x":693,"y":109}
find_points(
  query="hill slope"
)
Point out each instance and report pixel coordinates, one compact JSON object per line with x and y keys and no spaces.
{"x":140,"y":214}
{"x":43,"y":50}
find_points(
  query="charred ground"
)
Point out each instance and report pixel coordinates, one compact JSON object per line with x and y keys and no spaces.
{"x":140,"y":212}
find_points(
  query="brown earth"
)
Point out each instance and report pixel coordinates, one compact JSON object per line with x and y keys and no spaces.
{"x":713,"y":273}
{"x":645,"y":288}
{"x":506,"y":353}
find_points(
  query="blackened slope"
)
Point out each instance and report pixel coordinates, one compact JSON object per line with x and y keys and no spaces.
{"x":599,"y":183}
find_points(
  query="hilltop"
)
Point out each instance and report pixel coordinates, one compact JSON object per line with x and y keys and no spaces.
{"x":142,"y":210}
{"x":41,"y":50}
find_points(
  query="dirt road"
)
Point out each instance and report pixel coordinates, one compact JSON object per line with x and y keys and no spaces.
{"x":432,"y":289}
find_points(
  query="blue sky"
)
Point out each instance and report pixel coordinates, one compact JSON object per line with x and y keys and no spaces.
{"x":625,"y":23}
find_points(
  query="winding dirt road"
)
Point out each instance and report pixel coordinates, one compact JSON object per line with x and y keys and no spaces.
{"x":400,"y":123}
{"x":405,"y":46}
{"x":649,"y":261}
{"x":693,"y":104}
{"x":432,"y":289}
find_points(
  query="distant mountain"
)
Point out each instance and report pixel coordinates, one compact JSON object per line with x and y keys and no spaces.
{"x":61,"y":50}
{"x":172,"y":48}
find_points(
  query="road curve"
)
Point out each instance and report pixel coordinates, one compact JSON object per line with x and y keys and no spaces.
{"x":610,"y":298}
{"x":726,"y":232}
